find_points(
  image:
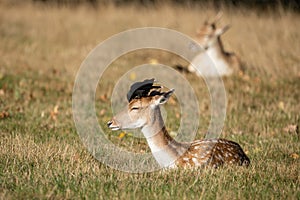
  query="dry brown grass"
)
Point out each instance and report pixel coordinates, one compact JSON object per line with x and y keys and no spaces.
{"x":266,"y":42}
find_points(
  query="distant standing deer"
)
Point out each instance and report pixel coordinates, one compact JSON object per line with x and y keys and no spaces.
{"x":143,"y":112}
{"x":214,"y":57}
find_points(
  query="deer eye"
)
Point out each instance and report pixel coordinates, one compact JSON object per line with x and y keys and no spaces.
{"x":135,"y":108}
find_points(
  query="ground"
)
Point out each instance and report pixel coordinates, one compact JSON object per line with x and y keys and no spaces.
{"x":42,"y":155}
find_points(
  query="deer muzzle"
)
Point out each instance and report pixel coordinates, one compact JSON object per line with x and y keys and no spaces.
{"x":113,"y":125}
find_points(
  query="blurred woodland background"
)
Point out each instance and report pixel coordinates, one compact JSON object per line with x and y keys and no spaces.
{"x":257,"y":4}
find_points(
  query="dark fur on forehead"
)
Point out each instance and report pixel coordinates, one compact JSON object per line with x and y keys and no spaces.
{"x":143,"y":89}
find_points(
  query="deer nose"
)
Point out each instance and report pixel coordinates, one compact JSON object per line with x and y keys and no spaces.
{"x":109,"y":123}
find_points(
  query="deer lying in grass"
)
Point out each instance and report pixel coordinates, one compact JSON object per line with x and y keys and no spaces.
{"x":143,"y":112}
{"x":214,"y":57}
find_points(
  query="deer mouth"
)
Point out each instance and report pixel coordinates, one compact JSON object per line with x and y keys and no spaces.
{"x":112,"y":126}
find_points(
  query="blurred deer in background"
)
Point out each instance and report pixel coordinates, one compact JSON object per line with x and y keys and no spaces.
{"x":214,"y":60}
{"x":143,"y":112}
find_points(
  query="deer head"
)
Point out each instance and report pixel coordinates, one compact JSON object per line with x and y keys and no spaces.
{"x":208,"y":35}
{"x":143,"y":108}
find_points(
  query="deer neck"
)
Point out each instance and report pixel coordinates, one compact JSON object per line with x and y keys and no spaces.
{"x":217,"y":49}
{"x":163,"y":147}
{"x":221,"y":46}
{"x":220,"y":57}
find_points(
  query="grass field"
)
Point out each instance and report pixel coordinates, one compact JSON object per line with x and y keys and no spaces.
{"x":41,"y":155}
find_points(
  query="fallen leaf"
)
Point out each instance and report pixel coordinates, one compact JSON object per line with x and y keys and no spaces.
{"x":294,"y":156}
{"x":103,"y":97}
{"x":2,"y":92}
{"x":129,"y":134}
{"x":42,"y":114}
{"x":153,"y":61}
{"x":281,"y":105}
{"x":102,"y":112}
{"x":292,"y":128}
{"x":132,"y":76}
{"x":173,"y":134}
{"x":54,"y":113}
{"x":4,"y":114}
{"x":56,"y":109}
{"x":121,"y":135}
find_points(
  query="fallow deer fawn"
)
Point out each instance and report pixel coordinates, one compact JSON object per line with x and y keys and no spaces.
{"x":143,"y":112}
{"x":214,"y":57}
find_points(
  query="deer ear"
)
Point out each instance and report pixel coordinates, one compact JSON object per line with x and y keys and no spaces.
{"x":221,"y":31}
{"x":164,"y":97}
